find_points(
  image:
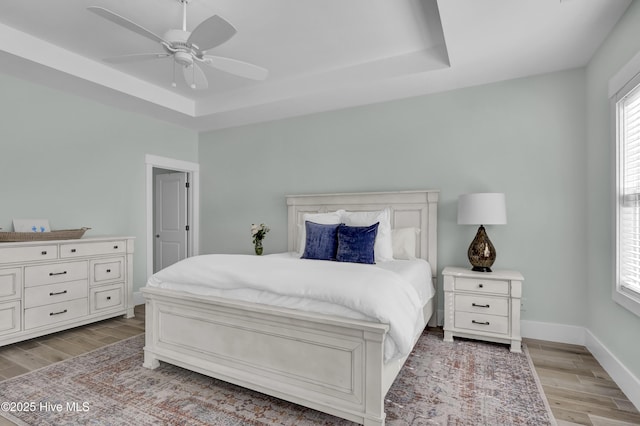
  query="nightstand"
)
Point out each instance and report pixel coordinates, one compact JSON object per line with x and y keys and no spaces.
{"x":483,"y":305}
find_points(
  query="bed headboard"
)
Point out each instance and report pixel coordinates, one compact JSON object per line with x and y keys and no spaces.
{"x":417,"y":209}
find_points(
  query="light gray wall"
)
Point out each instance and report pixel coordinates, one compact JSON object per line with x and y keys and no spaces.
{"x":613,"y":325}
{"x":523,"y":137}
{"x":80,"y":163}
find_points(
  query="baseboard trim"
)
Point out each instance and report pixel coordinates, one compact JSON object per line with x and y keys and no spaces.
{"x":552,"y":332}
{"x":628,"y":383}
{"x":571,"y":334}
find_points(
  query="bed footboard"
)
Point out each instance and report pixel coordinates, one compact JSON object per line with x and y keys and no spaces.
{"x":322,"y":362}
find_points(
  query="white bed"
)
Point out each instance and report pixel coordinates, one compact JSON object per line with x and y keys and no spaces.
{"x":326,"y":362}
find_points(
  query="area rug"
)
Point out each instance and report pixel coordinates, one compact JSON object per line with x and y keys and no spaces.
{"x":461,"y":383}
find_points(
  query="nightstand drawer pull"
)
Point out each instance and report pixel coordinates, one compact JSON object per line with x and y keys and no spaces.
{"x":51,"y":274}
{"x":480,"y":306}
{"x":480,"y":285}
{"x":58,"y":313}
{"x":57,"y":293}
{"x":44,"y":253}
{"x":480,"y":322}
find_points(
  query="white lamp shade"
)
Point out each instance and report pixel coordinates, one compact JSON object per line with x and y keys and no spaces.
{"x":488,"y":208}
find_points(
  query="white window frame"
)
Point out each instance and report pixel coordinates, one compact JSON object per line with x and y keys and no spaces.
{"x":624,"y":82}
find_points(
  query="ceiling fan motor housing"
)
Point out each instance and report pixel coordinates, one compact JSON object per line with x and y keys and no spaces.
{"x":183,"y":52}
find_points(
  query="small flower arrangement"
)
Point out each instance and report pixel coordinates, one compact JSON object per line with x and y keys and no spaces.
{"x":258,"y":232}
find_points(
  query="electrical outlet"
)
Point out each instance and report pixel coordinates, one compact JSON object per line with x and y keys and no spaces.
{"x":522,"y":304}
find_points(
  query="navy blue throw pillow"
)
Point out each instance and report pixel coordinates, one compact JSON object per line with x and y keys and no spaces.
{"x":321,"y":241}
{"x":355,"y":243}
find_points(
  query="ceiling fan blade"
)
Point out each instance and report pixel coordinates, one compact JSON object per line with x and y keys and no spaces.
{"x":236,"y":67}
{"x":194,"y":76}
{"x":211,"y":32}
{"x":124,"y":22}
{"x":136,"y":57}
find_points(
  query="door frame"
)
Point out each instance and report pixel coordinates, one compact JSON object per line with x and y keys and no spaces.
{"x":193,"y":204}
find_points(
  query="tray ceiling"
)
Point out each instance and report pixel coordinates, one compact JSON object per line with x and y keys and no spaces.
{"x":321,"y":55}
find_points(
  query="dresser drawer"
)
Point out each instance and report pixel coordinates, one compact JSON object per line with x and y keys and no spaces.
{"x":478,"y":285}
{"x":106,"y":270}
{"x":54,"y":273}
{"x":482,"y":322}
{"x":54,"y":313}
{"x":71,"y":250}
{"x":10,"y":284}
{"x":482,"y":304}
{"x":107,"y":298}
{"x":28,"y":253}
{"x":9,"y":317}
{"x":54,"y":293}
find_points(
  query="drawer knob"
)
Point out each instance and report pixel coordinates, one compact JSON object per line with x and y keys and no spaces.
{"x":51,"y":274}
{"x":108,"y":270}
{"x":481,"y":285}
{"x":108,"y":297}
{"x":44,"y":253}
{"x":480,"y":322}
{"x":479,"y":306}
{"x":57,"y":313}
{"x":58,"y":293}
{"x":115,"y":247}
{"x":73,"y":250}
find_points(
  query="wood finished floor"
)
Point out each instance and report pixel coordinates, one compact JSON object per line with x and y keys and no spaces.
{"x":579,"y":391}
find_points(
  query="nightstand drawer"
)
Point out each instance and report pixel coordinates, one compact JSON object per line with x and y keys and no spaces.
{"x":482,"y":304}
{"x":478,"y":285}
{"x":482,"y":322}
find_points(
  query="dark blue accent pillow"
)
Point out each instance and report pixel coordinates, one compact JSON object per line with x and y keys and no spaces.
{"x":321,"y":241}
{"x":355,"y":243}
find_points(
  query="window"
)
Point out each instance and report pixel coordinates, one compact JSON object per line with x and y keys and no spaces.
{"x":626,"y":103}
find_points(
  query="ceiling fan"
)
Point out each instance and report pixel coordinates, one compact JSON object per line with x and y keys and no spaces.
{"x":188,"y":49}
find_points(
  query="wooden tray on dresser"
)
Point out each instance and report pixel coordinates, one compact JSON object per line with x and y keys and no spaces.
{"x":63,"y":234}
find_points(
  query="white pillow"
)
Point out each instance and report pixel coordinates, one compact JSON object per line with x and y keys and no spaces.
{"x":331,"y":218}
{"x":403,"y":241}
{"x":383,"y":248}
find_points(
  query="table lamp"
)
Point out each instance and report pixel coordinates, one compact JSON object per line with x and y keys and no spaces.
{"x":488,"y":208}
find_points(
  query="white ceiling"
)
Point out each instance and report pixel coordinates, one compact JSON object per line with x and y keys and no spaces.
{"x":321,"y":54}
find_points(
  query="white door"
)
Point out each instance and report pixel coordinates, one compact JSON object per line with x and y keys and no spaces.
{"x":170,"y":219}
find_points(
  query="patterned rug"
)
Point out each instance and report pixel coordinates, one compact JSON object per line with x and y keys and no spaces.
{"x":461,"y":383}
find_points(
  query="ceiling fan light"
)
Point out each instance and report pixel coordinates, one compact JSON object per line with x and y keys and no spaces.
{"x":183,"y":58}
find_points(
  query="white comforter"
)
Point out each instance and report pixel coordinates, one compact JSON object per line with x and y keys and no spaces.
{"x":345,"y":289}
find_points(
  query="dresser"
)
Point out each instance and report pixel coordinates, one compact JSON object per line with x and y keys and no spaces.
{"x":483,"y":305}
{"x":51,"y":286}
